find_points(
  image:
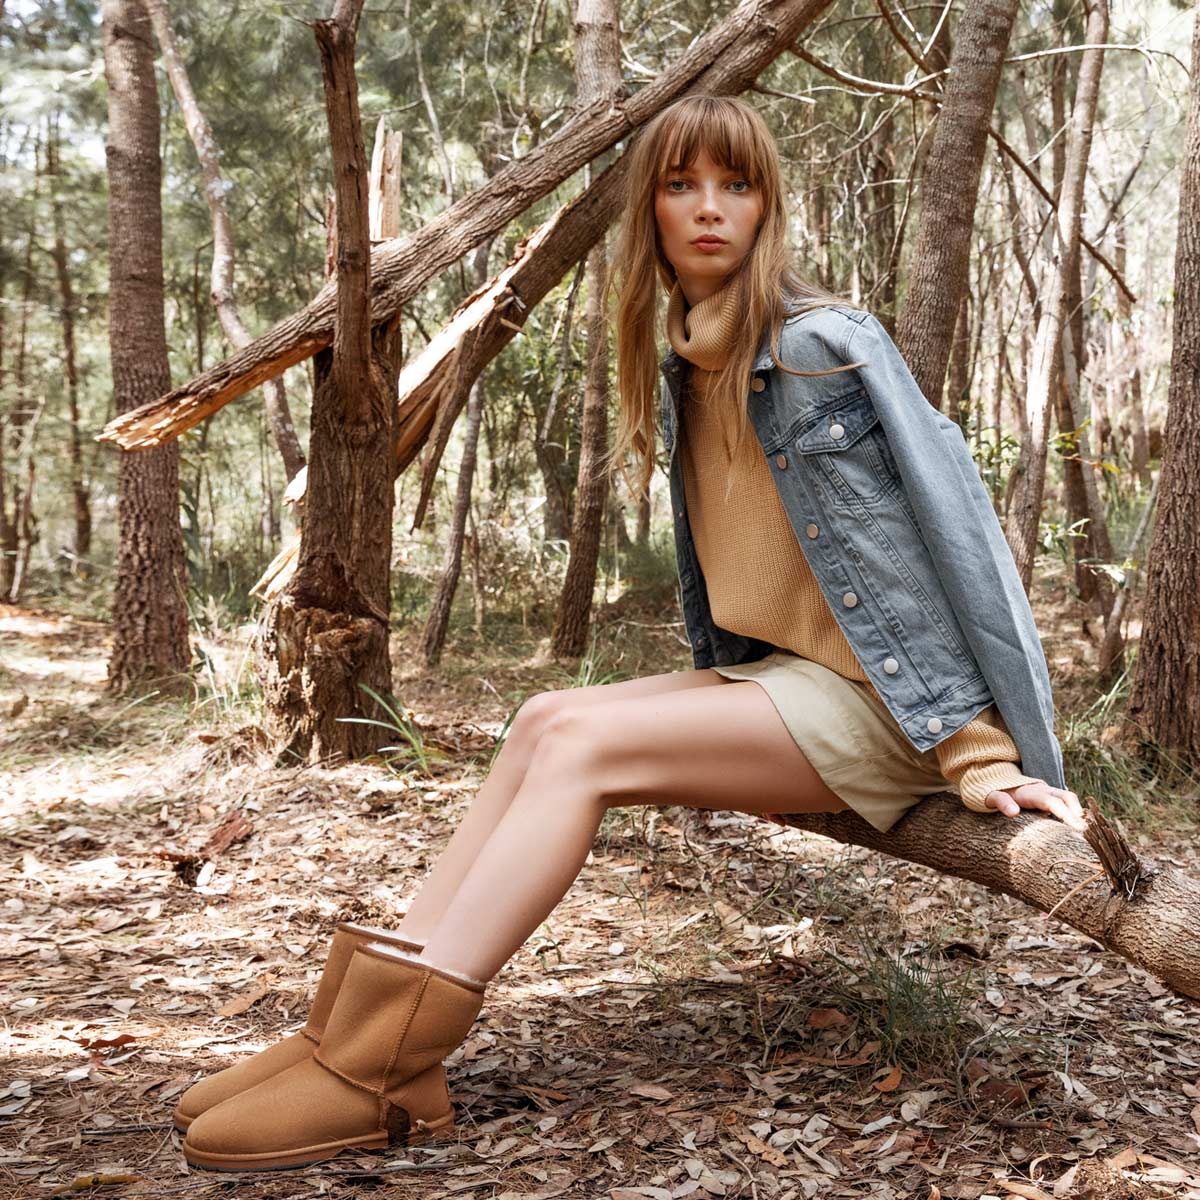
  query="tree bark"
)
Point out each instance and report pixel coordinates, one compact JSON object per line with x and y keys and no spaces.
{"x":80,"y":493}
{"x":950,"y":186}
{"x":1164,"y":706}
{"x":16,"y":532}
{"x":1025,"y":501}
{"x":1145,"y":912}
{"x":433,"y":639}
{"x":224,"y":247}
{"x":150,"y":644}
{"x":325,"y":639}
{"x":597,"y":74}
{"x":726,"y":60}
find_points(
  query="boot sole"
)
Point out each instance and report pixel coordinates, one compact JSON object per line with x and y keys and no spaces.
{"x":433,"y":1130}
{"x":181,"y":1121}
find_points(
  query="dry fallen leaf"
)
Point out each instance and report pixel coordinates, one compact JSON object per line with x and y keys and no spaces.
{"x":1026,"y":1190}
{"x":758,"y":1146}
{"x":247,"y":1000}
{"x":86,"y":1182}
{"x":824,"y":1018}
{"x":892,"y":1082}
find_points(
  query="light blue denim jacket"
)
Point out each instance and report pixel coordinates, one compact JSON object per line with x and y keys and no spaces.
{"x":898,"y":528}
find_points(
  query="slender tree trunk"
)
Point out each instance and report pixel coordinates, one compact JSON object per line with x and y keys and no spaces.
{"x":950,"y":186}
{"x":80,"y":494}
{"x":597,"y":74}
{"x":1165,"y":701}
{"x":224,"y":246}
{"x":550,"y":435}
{"x":1030,"y":472}
{"x":642,"y":537}
{"x":22,"y":424}
{"x":1130,"y":371}
{"x":325,"y":638}
{"x":433,"y":639}
{"x":958,"y":381}
{"x":150,"y":644}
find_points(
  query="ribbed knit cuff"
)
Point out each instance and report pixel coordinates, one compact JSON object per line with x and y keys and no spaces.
{"x":977,"y":782}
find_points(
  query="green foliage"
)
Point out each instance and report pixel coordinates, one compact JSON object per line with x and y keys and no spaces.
{"x":911,"y":998}
{"x":1058,"y":537}
{"x":1143,"y":784}
{"x":399,"y":758}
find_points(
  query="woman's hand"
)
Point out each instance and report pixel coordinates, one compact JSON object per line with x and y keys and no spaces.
{"x":1058,"y":802}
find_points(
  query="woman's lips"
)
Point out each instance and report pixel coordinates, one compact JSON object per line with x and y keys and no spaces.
{"x":710,"y":247}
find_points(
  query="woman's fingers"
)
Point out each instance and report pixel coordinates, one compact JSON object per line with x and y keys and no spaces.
{"x":1058,"y":802}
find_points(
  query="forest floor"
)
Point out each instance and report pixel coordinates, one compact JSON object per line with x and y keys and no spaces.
{"x":718,"y":1008}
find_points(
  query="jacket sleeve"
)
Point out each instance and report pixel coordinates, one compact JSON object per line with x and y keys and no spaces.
{"x":967,"y":546}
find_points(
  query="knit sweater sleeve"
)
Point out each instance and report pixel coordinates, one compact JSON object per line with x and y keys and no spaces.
{"x":980,"y":758}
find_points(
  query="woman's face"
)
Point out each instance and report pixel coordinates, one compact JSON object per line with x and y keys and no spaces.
{"x":708,"y":218}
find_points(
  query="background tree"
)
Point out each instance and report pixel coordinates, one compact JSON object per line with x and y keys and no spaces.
{"x":597,"y":75}
{"x":1165,"y":703}
{"x":149,"y":617}
{"x":324,"y":642}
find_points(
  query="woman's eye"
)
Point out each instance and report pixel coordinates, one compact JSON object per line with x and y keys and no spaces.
{"x":741,"y":184}
{"x":671,"y":184}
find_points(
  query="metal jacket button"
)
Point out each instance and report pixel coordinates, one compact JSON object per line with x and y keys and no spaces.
{"x":934,"y":725}
{"x":837,"y":431}
{"x":811,"y":530}
{"x":891,"y":666}
{"x":757,"y":384}
{"x":781,"y":461}
{"x":849,"y":599}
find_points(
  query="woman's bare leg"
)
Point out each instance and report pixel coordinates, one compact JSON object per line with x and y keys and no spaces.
{"x":508,"y":771}
{"x":703,"y":748}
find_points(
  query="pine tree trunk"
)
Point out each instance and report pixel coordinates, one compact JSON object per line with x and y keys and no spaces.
{"x":80,"y":495}
{"x":597,"y":73}
{"x":433,"y":638}
{"x":568,"y":638}
{"x":950,"y":186}
{"x":1165,"y":701}
{"x":150,"y":644}
{"x":1029,"y":475}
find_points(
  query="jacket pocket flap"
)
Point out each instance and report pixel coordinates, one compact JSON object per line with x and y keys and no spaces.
{"x":840,"y":425}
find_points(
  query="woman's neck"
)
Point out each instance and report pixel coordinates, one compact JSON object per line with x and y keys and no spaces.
{"x":704,"y":333}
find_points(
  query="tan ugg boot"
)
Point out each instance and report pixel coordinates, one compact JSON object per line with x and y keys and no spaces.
{"x":296,"y":1047}
{"x":369,"y":1082}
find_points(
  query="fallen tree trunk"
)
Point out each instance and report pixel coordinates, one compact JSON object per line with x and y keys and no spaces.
{"x":1143,"y":911}
{"x":726,"y":60}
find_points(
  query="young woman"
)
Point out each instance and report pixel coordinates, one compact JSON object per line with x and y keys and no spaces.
{"x":792,"y":721}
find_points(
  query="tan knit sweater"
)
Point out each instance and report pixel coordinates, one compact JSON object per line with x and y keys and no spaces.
{"x":759,"y":582}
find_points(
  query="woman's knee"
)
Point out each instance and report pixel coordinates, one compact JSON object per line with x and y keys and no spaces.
{"x":572,"y":750}
{"x":532,"y":718}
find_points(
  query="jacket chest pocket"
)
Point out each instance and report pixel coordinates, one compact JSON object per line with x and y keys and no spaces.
{"x":847,"y":444}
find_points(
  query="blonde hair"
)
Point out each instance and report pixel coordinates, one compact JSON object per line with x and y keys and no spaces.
{"x":737,"y":138}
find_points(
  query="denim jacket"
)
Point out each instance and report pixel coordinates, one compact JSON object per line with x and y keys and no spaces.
{"x":898,"y":529}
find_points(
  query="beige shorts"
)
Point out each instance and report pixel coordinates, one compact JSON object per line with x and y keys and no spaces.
{"x":850,"y":737}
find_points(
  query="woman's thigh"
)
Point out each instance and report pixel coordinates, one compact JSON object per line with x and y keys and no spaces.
{"x":703,"y":747}
{"x":540,"y":709}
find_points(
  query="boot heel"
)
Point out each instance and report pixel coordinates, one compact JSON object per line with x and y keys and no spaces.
{"x":419,"y":1110}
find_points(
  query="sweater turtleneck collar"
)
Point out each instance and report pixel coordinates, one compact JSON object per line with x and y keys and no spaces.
{"x":704,"y":334}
